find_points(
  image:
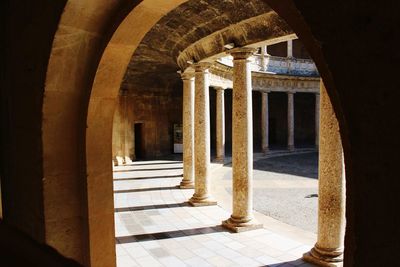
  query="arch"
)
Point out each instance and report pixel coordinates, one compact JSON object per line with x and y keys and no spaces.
{"x":91,"y":50}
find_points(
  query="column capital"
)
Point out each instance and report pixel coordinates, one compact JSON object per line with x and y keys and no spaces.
{"x":219,"y":88}
{"x":202,"y":66}
{"x":187,"y":75}
{"x":290,"y":92}
{"x":242,"y":52}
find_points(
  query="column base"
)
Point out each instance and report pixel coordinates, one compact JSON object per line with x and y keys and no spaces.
{"x":291,"y":148}
{"x":201,"y":201}
{"x":324,"y":258}
{"x":120,"y":161}
{"x":239,"y":227}
{"x":265,"y":151}
{"x":220,"y":160}
{"x":128,"y":160}
{"x":186,"y":184}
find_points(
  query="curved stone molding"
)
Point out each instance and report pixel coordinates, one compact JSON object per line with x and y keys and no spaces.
{"x":250,"y":31}
{"x":285,"y":83}
{"x":221,"y":76}
{"x":285,"y":65}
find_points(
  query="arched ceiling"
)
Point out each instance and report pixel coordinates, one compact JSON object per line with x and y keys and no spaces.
{"x":154,"y":64}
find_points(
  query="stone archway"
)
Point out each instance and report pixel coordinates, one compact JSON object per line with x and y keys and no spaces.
{"x":91,"y":50}
{"x":89,"y":57}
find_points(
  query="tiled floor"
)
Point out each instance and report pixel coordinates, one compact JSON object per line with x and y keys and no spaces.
{"x":156,"y":227}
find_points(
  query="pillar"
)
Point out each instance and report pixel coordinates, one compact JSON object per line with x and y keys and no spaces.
{"x":264,"y":53}
{"x":290,"y":48}
{"x":264,"y":122}
{"x":201,"y":196}
{"x":290,"y":120}
{"x":328,"y":251}
{"x":317,"y":108}
{"x":242,"y":144}
{"x":188,"y":130}
{"x":220,"y":129}
{"x":128,"y":134}
{"x":120,"y":121}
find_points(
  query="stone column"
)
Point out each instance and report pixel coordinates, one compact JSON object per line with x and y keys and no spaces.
{"x":263,"y":54}
{"x":264,"y":122}
{"x":317,"y":109}
{"x":201,"y":196}
{"x":220,"y":108}
{"x":290,"y":120}
{"x":290,"y":48}
{"x":128,"y":133}
{"x":119,"y":130}
{"x":242,"y":144}
{"x":328,"y":251}
{"x":188,"y":130}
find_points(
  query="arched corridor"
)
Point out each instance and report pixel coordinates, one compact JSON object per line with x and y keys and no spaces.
{"x":64,"y":63}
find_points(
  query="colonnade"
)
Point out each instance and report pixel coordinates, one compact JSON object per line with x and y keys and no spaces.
{"x":328,"y":250}
{"x":264,"y":52}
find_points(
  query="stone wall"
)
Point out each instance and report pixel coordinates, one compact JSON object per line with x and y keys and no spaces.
{"x":157,"y":114}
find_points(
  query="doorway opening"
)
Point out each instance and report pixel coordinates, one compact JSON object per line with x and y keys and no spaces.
{"x":139,"y":141}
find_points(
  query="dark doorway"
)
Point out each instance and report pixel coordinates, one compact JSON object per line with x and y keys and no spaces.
{"x":139,"y":141}
{"x":272,"y":131}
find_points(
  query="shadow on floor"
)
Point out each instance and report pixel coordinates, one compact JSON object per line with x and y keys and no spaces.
{"x":152,"y":207}
{"x":305,"y":164}
{"x":298,"y":262}
{"x":148,"y":189}
{"x":139,"y":163}
{"x":170,"y":234}
{"x":148,"y":177}
{"x":155,"y":169}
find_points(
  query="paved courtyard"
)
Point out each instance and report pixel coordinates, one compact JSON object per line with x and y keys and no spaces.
{"x":156,"y":227}
{"x":285,"y":187}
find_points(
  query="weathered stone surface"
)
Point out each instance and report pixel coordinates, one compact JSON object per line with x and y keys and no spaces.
{"x":242,"y":144}
{"x":290,"y":120}
{"x":328,"y":251}
{"x":220,"y":124}
{"x":201,"y":196}
{"x":188,"y":130}
{"x":265,"y":122}
{"x":154,"y":63}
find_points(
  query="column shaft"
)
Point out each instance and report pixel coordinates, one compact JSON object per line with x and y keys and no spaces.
{"x":290,"y":48}
{"x":264,"y":122}
{"x":242,"y":144}
{"x":263,"y":54}
{"x":317,"y":111}
{"x":220,"y":106}
{"x":290,"y":120}
{"x":328,"y":251}
{"x":128,"y":133}
{"x":188,"y":130}
{"x":201,"y":196}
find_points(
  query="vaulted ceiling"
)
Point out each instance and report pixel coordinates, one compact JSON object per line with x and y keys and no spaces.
{"x":153,"y":66}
